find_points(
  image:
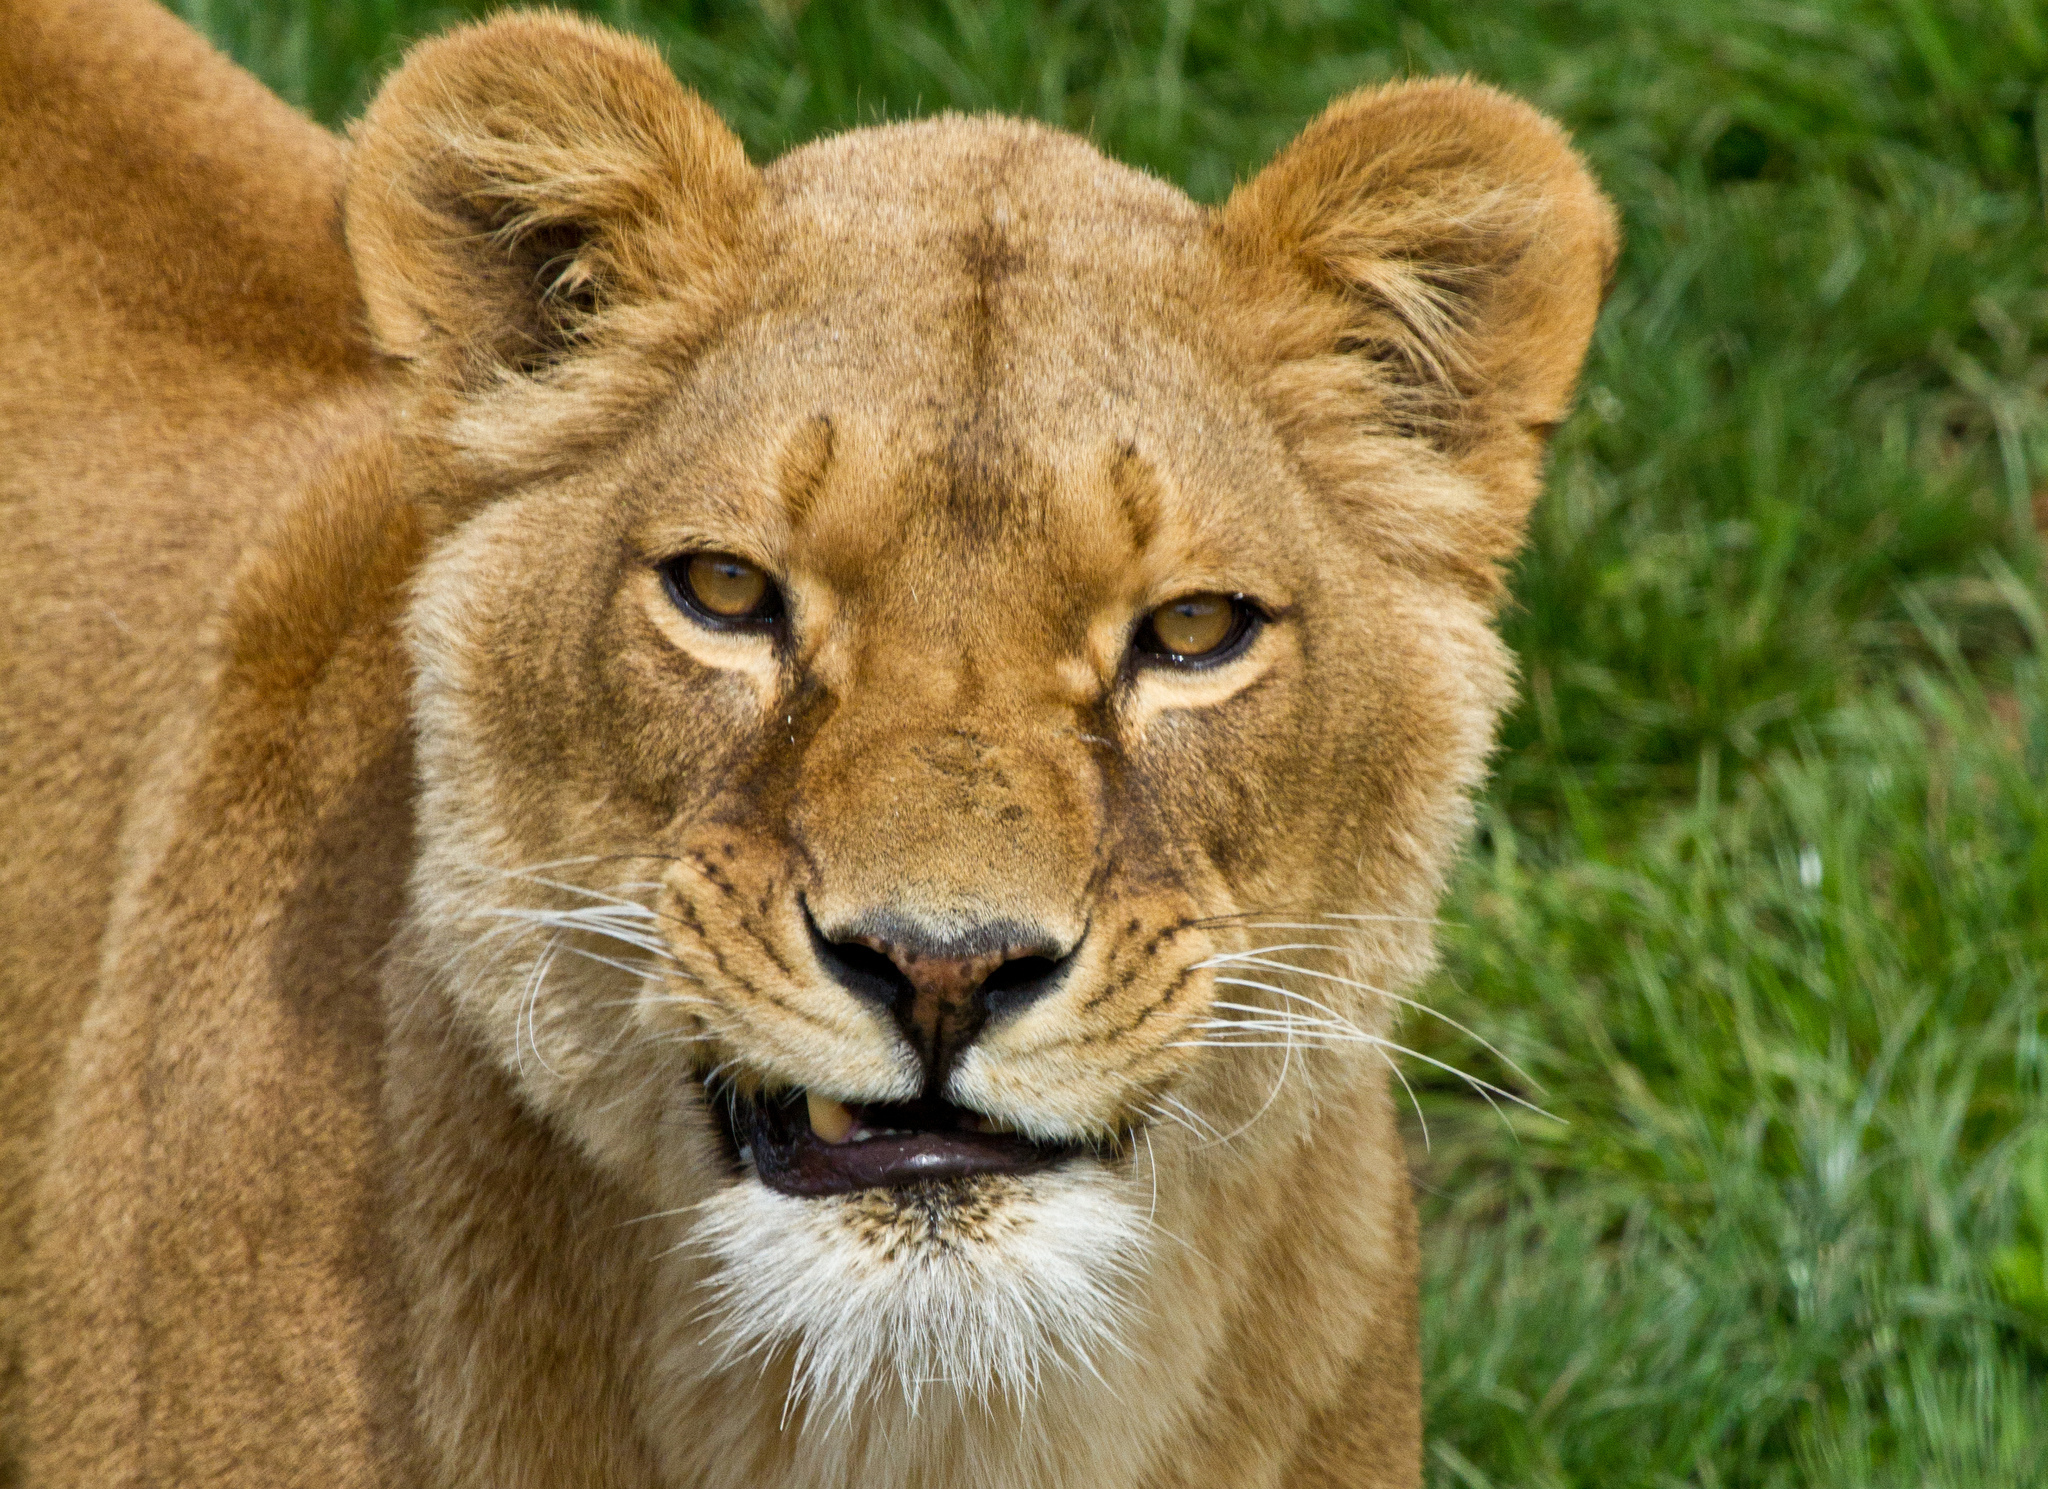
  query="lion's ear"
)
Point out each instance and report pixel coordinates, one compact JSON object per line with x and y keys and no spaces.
{"x":520,"y":187}
{"x":1448,"y":234}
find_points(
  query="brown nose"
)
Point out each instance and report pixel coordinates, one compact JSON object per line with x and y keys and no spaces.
{"x":942,"y":989}
{"x":941,"y":1013}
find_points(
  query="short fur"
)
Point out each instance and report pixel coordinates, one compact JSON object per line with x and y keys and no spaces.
{"x":390,"y":861}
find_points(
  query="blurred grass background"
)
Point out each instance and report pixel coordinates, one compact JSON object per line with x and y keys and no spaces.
{"x":1761,"y":900}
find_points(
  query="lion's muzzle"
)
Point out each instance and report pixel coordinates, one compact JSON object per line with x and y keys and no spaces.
{"x":941,"y":987}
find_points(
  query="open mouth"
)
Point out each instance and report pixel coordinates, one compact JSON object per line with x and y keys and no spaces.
{"x":805,"y":1144}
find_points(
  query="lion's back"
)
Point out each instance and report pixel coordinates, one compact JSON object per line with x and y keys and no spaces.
{"x":184,"y":313}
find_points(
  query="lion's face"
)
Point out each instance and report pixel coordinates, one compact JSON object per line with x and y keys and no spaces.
{"x":875,"y":707}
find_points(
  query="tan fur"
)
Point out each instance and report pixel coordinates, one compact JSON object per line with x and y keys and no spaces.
{"x":334,"y":647}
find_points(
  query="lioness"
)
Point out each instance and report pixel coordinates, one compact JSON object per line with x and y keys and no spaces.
{"x":677,"y":824}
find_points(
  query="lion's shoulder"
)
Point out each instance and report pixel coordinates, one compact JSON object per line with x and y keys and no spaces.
{"x":150,"y":182}
{"x":184,"y":351}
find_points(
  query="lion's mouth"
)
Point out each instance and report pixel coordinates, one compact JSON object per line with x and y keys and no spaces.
{"x":804,"y":1144}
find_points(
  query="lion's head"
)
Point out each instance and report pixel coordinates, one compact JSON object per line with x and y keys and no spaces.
{"x":914,"y":626}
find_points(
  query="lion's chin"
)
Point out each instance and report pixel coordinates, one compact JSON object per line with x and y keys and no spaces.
{"x":973,"y":1288}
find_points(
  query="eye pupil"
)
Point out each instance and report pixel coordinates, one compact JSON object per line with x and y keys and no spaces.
{"x":722,"y":587}
{"x":1195,"y":625}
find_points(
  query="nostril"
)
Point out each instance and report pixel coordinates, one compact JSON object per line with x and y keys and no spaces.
{"x":1019,"y":982}
{"x":862,"y":971}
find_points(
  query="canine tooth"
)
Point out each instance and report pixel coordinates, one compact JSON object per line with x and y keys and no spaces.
{"x":829,"y":1119}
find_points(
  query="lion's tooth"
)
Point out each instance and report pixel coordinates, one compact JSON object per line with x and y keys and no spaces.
{"x":829,"y":1118}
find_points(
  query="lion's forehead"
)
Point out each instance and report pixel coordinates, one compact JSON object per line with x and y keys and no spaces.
{"x":1043,"y":475}
{"x":979,"y":247}
{"x":995,"y":196}
{"x":991,"y":317}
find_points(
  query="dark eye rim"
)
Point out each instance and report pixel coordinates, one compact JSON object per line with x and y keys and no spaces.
{"x":1249,"y":617}
{"x":766,"y":618}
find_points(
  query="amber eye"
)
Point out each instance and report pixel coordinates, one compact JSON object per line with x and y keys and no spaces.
{"x":1196,"y":630}
{"x":723,"y":590}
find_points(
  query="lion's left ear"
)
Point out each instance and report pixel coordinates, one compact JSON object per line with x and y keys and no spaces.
{"x":520,"y":187}
{"x":1449,"y":235}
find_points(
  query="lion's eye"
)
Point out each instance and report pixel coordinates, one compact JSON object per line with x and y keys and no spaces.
{"x":1197,"y":630}
{"x":722,"y":590}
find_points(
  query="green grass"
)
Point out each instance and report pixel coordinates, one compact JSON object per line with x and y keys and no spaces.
{"x":1761,"y":901}
{"x":1796,"y":1025}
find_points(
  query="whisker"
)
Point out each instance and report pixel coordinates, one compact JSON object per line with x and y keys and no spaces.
{"x":1241,"y":917}
{"x":603,"y":897}
{"x":695,"y":1204}
{"x":1158,"y":1113}
{"x":532,"y":876}
{"x":643,"y":970}
{"x":1334,"y":1036}
{"x":1402,"y":1077}
{"x":601,"y":920}
{"x":1331,"y":1019}
{"x":1152,"y":1162}
{"x":538,"y":976}
{"x":1247,"y":958}
{"x":1191,"y":1114}
{"x":656,"y":994}
{"x":603,"y":914}
{"x":1152,"y":1220}
{"x":1234,"y":915}
{"x":1303,"y":925}
{"x":576,"y":862}
{"x":1286,"y":1062}
{"x":1399,"y":919}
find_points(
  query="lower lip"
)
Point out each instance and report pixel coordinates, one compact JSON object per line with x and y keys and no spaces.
{"x":792,"y":1159}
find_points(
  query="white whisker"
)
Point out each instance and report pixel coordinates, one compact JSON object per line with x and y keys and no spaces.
{"x":1397,"y":919}
{"x":1152,"y":1162}
{"x":1402,"y":1077}
{"x":1257,"y":959}
{"x":1191,"y":1119}
{"x":1333,"y":1037}
{"x":530,"y":1010}
{"x":1286,"y":1063}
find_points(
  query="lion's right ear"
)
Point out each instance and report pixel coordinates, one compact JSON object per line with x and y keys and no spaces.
{"x":1429,"y":257}
{"x":535,"y":185}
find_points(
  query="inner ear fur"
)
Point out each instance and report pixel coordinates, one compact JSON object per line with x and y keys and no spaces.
{"x":521,"y":187}
{"x":1446,"y":239}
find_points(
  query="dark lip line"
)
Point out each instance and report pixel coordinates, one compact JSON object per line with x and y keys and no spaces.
{"x":796,"y":1162}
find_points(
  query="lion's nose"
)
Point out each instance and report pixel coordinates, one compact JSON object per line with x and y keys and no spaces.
{"x":942,"y":987}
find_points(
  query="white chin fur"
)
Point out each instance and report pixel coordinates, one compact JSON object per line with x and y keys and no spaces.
{"x":877,"y":1295}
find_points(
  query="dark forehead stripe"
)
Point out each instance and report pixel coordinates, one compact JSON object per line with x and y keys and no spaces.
{"x":983,"y":495}
{"x":806,"y":460}
{"x":1137,"y":489}
{"x":992,"y":264}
